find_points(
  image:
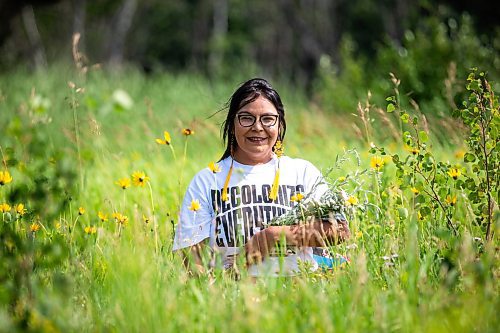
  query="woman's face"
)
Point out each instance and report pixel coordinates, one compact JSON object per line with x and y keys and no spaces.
{"x":255,"y":142}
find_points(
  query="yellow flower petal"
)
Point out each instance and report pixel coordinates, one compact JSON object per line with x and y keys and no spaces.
{"x":214,"y":167}
{"x":377,"y":162}
{"x":195,"y":205}
{"x":139,"y":178}
{"x":5,"y":177}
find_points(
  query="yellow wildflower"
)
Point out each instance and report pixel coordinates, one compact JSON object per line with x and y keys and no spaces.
{"x":81,"y":211}
{"x":5,"y":178}
{"x":420,"y":216}
{"x":166,"y":140}
{"x":351,"y":201}
{"x":146,"y":219}
{"x":20,"y":210}
{"x":139,"y":178}
{"x":120,"y":218}
{"x":415,"y":190}
{"x":454,"y":173}
{"x":359,"y":234}
{"x":123,"y":183}
{"x":187,"y":131}
{"x":214,"y":167}
{"x":377,"y":162}
{"x":451,"y":200}
{"x":58,"y":225}
{"x":5,"y":207}
{"x":460,"y":154}
{"x":297,"y":197}
{"x":195,"y":205}
{"x":341,"y":179}
{"x":34,"y":227}
{"x":103,"y":217}
{"x":90,"y":230}
{"x":412,"y":150}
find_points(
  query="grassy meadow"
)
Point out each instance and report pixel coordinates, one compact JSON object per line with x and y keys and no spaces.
{"x":87,"y":252}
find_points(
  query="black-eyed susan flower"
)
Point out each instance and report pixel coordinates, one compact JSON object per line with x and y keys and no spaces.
{"x":90,"y":230}
{"x":146,"y":219}
{"x":5,"y":177}
{"x":187,"y":131}
{"x":297,"y":197}
{"x":415,"y":190}
{"x":103,"y":217}
{"x":139,"y":178}
{"x":5,"y":207}
{"x":34,"y":227}
{"x":214,"y":167}
{"x":451,"y":200}
{"x":166,"y":139}
{"x":351,"y":201}
{"x":20,"y":210}
{"x":195,"y":205}
{"x":412,"y":150}
{"x":454,"y":173}
{"x":81,"y":211}
{"x":376,"y":163}
{"x":120,"y":218}
{"x":420,"y":216}
{"x":123,"y":183}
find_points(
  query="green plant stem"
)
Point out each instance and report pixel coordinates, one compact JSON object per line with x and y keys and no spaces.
{"x":487,"y":172}
{"x":154,"y":217}
{"x":77,"y":138}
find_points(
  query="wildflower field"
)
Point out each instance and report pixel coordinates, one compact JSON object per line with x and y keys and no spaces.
{"x":94,"y":168}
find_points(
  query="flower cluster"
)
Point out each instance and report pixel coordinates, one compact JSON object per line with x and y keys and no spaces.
{"x":331,"y":203}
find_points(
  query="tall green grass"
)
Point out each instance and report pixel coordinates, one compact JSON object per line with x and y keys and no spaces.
{"x":405,"y":274}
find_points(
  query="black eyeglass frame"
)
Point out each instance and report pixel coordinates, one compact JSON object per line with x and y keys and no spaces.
{"x":275,"y":116}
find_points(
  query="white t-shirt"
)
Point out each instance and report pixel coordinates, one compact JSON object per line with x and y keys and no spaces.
{"x":229,"y":224}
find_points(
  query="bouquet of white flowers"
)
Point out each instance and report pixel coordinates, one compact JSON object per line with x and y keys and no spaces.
{"x":330,"y":207}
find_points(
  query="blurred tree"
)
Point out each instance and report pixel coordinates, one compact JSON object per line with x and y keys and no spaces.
{"x":122,"y":21}
{"x":285,"y":38}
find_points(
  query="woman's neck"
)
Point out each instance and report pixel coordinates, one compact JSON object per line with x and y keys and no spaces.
{"x":252,"y":161}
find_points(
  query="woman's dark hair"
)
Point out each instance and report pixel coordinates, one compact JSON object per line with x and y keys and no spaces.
{"x":245,"y":94}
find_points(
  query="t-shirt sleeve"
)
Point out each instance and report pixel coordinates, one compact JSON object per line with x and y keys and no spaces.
{"x":194,"y":226}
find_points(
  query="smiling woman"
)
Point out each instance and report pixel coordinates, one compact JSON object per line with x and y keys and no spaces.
{"x":252,"y":185}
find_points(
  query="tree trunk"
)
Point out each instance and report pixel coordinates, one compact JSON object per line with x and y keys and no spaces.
{"x":37,"y":49}
{"x":219,"y":33}
{"x":123,"y":22}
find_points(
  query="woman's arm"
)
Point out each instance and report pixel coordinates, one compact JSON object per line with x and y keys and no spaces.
{"x":315,"y":233}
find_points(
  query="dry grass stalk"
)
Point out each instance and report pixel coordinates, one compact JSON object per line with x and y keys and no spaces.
{"x":388,"y":123}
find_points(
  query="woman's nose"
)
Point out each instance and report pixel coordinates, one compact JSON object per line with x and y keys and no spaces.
{"x":257,"y":125}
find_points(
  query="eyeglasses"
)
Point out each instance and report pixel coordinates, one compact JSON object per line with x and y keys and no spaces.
{"x":247,"y":120}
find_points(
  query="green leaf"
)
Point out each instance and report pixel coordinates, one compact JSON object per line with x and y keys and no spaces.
{"x":390,"y":108}
{"x":469,"y":158}
{"x":403,"y":213}
{"x":405,"y":117}
{"x":423,"y":136}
